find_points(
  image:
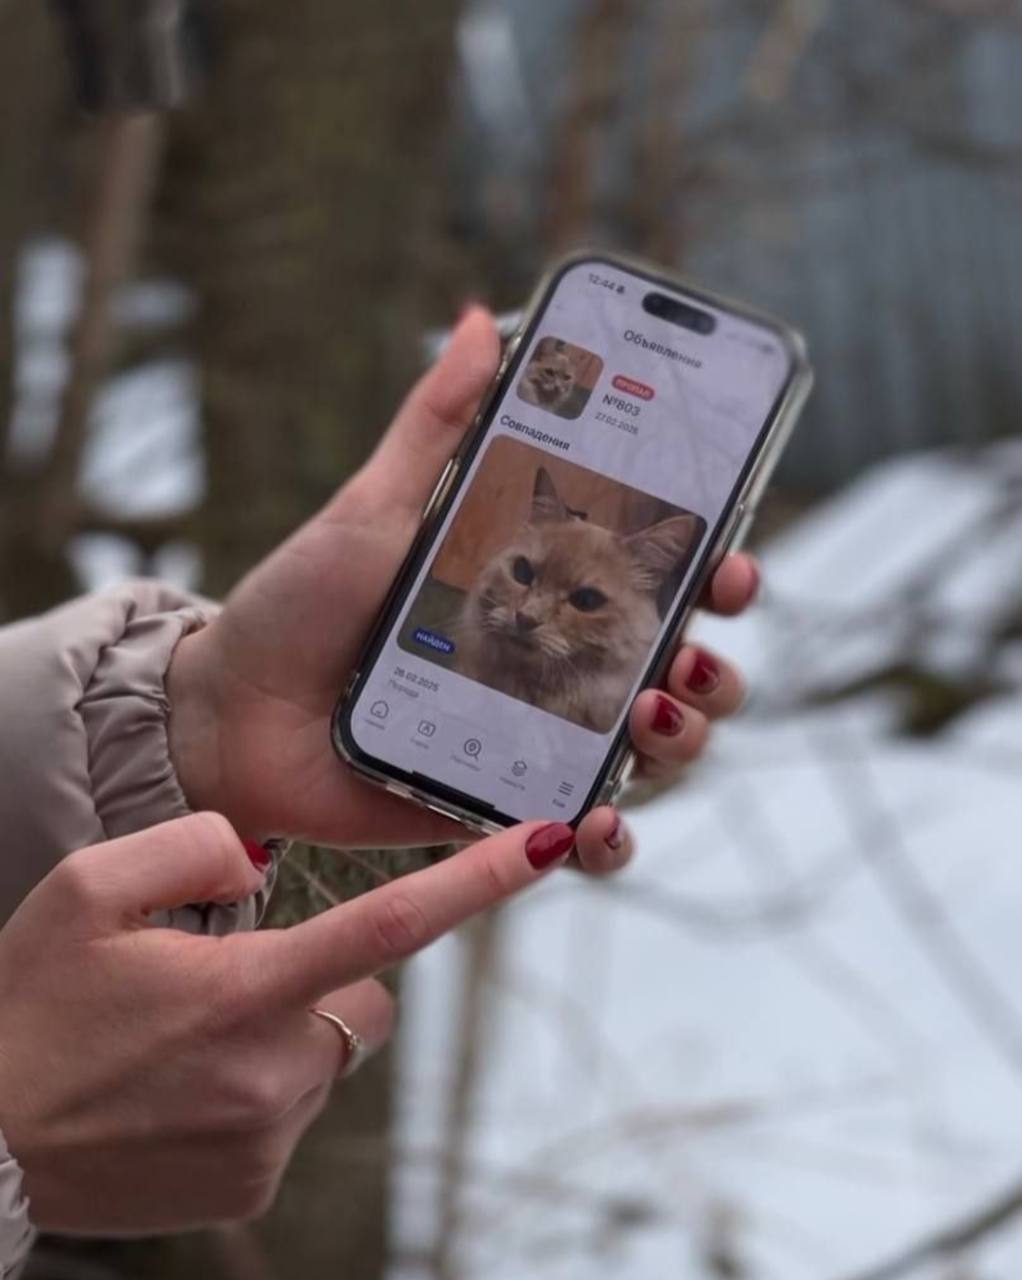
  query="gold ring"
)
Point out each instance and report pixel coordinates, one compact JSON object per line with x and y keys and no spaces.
{"x":354,"y":1045}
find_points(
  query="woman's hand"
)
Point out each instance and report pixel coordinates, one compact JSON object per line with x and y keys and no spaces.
{"x":252,"y":694}
{"x":152,"y":1080}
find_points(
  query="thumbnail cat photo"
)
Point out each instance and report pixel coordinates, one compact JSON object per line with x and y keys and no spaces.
{"x":552,"y":583}
{"x":560,"y":377}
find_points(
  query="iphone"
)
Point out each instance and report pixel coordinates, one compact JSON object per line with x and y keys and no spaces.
{"x":621,"y":451}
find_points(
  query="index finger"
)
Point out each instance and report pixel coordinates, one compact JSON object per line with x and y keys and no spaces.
{"x":359,"y":938}
{"x":733,"y":586}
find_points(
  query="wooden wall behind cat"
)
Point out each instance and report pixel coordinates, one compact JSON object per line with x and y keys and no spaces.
{"x":500,"y":501}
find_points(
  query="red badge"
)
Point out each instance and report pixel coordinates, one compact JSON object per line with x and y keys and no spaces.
{"x":632,"y":388}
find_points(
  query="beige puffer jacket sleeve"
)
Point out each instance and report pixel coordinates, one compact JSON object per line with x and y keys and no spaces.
{"x":83,"y":736}
{"x":83,"y":758}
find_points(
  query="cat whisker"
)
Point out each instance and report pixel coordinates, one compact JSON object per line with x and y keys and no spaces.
{"x":555,"y":647}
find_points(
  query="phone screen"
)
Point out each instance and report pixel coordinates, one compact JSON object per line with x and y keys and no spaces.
{"x":578,"y":527}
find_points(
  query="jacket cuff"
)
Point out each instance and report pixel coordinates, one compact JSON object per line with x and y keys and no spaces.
{"x":84,"y":753}
{"x":126,"y":712}
{"x":17,"y":1234}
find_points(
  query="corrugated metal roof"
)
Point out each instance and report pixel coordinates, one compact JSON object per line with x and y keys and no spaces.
{"x":878,"y":206}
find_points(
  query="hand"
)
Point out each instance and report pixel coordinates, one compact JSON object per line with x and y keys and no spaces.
{"x":252,"y":694}
{"x":151,"y":1080}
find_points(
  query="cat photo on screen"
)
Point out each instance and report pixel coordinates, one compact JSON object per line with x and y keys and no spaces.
{"x":552,"y":583}
{"x":560,"y":377}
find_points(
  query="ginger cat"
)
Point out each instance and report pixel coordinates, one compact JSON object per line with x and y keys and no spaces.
{"x":565,"y":616}
{"x":549,"y":379}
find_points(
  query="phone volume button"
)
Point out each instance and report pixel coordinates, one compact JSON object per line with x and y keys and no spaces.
{"x":618,"y":777}
{"x":735,"y":523}
{"x":441,"y":488}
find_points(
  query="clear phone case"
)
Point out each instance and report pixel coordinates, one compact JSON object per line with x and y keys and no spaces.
{"x":732,"y":529}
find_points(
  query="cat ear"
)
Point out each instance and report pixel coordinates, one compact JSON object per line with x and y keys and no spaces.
{"x":546,"y":501}
{"x":661,"y":547}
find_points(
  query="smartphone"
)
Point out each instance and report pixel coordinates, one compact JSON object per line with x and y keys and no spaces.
{"x":620,"y":452}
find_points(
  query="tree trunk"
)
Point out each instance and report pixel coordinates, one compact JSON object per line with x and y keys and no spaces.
{"x":31,"y":576}
{"x":303,"y":201}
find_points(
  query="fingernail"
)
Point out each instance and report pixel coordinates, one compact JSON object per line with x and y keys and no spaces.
{"x":667,"y":718}
{"x":705,"y":674}
{"x":616,"y":836}
{"x":549,"y":844}
{"x":468,"y":305}
{"x":258,"y":856}
{"x":757,"y":579}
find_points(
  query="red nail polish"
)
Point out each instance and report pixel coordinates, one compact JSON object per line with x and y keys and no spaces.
{"x":258,"y":856}
{"x":667,"y":718}
{"x":705,"y":674}
{"x":549,"y":844}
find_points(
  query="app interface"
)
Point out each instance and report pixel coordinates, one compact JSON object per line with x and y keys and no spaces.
{"x":525,"y":636}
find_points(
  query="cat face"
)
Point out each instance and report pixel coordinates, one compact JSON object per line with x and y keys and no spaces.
{"x":550,"y":377}
{"x":567,"y":591}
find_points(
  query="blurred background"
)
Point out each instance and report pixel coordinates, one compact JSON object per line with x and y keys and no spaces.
{"x":788,"y":1043}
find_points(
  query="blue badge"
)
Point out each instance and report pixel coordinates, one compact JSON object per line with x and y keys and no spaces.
{"x":431,"y":640}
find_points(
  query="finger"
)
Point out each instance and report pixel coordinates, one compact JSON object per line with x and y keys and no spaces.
{"x":734,"y":586}
{"x":703,"y":680}
{"x":604,"y":842}
{"x":428,"y":428}
{"x":378,"y":820}
{"x":281,"y":1057}
{"x":358,"y":939}
{"x":665,"y":731}
{"x":367,"y":1009}
{"x":258,"y":1158}
{"x":194,"y":859}
{"x":660,"y":776}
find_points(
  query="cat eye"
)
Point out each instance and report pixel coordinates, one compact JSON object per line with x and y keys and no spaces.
{"x":586,"y":599}
{"x":522,"y":571}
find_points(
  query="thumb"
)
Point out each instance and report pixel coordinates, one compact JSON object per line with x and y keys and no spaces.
{"x":430,"y":424}
{"x":193,"y":859}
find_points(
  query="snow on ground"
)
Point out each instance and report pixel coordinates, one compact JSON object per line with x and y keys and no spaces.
{"x":792,"y":1029}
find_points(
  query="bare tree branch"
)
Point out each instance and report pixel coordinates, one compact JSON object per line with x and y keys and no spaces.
{"x":923,"y":912}
{"x":767,"y":912}
{"x":782,"y":46}
{"x":821,"y":963}
{"x":130,"y":148}
{"x":1001,"y":1213}
{"x":595,"y":95}
{"x":482,"y":939}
